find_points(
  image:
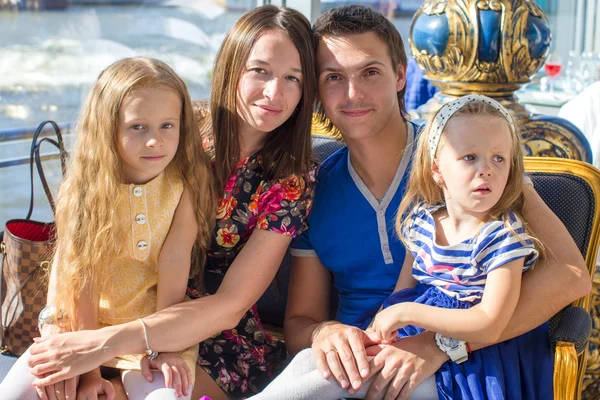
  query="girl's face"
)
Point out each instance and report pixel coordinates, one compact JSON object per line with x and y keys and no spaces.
{"x":270,"y":86}
{"x":473,"y":162}
{"x":148,"y":133}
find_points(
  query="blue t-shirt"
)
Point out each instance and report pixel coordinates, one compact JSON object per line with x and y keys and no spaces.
{"x":353,"y":234}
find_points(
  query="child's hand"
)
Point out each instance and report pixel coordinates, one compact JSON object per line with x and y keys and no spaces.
{"x":91,"y":384}
{"x":175,"y":370}
{"x":387,"y":322}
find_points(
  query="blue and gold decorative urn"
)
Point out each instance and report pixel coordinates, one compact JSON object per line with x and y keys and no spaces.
{"x":491,"y":47}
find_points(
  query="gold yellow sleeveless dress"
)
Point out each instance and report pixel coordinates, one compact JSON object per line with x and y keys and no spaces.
{"x":132,"y":289}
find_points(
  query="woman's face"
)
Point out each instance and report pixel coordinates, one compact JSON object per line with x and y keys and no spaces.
{"x":270,"y":86}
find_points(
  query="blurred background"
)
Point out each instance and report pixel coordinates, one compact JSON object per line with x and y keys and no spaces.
{"x":51,"y":51}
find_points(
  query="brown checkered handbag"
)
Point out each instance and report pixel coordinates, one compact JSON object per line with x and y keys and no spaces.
{"x":26,"y":250}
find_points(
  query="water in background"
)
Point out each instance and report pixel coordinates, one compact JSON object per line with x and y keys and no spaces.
{"x":49,"y":60}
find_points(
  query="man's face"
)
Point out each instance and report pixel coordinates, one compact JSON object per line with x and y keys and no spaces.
{"x":358,"y":85}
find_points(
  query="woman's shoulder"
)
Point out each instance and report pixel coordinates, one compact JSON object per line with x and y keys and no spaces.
{"x":295,"y":184}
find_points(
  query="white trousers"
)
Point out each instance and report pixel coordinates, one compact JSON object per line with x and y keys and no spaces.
{"x":301,"y":380}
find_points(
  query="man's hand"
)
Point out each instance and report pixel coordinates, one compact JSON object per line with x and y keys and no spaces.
{"x":402,"y":366}
{"x":340,"y":351}
{"x":175,"y":370}
{"x":92,"y":385}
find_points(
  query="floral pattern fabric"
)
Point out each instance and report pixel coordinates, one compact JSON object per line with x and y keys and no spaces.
{"x":245,"y":359}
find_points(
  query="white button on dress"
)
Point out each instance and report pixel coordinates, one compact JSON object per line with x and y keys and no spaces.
{"x":140,"y":219}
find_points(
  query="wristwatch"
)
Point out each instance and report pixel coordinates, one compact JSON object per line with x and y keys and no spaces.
{"x":456,"y":349}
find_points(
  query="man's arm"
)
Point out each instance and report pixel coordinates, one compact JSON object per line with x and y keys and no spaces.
{"x":339,"y":349}
{"x":304,"y":312}
{"x":556,"y":281}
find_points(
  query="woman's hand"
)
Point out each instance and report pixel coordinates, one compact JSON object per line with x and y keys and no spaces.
{"x":92,"y":384}
{"x":67,"y":355}
{"x":175,"y":370}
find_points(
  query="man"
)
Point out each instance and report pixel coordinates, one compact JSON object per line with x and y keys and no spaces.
{"x":361,"y":66}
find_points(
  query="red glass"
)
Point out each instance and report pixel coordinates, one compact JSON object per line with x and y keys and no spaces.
{"x":552,"y":68}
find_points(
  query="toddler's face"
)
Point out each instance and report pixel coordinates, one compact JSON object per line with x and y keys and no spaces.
{"x":148,"y":132}
{"x":473,"y":162}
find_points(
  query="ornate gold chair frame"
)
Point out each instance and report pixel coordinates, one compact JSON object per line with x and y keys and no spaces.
{"x":569,"y":367}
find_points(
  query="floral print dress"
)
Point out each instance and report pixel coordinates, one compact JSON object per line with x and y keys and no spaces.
{"x":245,"y":359}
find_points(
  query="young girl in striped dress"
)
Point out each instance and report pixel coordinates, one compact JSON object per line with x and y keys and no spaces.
{"x":462,"y":221}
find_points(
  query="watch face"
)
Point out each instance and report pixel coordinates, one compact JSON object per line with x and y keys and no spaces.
{"x":448,"y":342}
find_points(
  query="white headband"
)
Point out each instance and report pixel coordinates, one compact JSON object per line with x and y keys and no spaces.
{"x":442,"y":117}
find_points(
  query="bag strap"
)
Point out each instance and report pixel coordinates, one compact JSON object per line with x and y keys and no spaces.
{"x":40,"y":169}
{"x":34,"y":156}
{"x":4,"y":330}
{"x":16,"y":295}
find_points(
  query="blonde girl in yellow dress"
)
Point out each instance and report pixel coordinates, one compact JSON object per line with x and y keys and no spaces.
{"x":136,"y":200}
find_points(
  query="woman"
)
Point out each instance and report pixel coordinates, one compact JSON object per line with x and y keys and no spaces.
{"x":259,"y":132}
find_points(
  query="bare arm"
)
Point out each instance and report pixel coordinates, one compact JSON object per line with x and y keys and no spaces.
{"x":175,"y":255}
{"x":305,"y":313}
{"x":557,"y":280}
{"x":406,"y":279}
{"x":185,"y":324}
{"x":339,"y":349}
{"x":174,"y":328}
{"x":483,"y":323}
{"x":49,"y":329}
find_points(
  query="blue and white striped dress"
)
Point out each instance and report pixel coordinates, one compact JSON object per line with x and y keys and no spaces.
{"x":460,"y":270}
{"x":454,"y":277}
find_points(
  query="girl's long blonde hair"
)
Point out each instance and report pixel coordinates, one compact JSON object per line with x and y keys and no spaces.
{"x":423,"y":188}
{"x":89,"y":231}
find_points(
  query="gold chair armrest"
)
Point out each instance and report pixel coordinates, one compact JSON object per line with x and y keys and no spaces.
{"x":566,"y":377}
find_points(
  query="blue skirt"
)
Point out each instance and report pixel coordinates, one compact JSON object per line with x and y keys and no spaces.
{"x":520,"y":368}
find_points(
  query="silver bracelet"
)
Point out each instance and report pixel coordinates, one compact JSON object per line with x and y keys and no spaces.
{"x":149,"y":352}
